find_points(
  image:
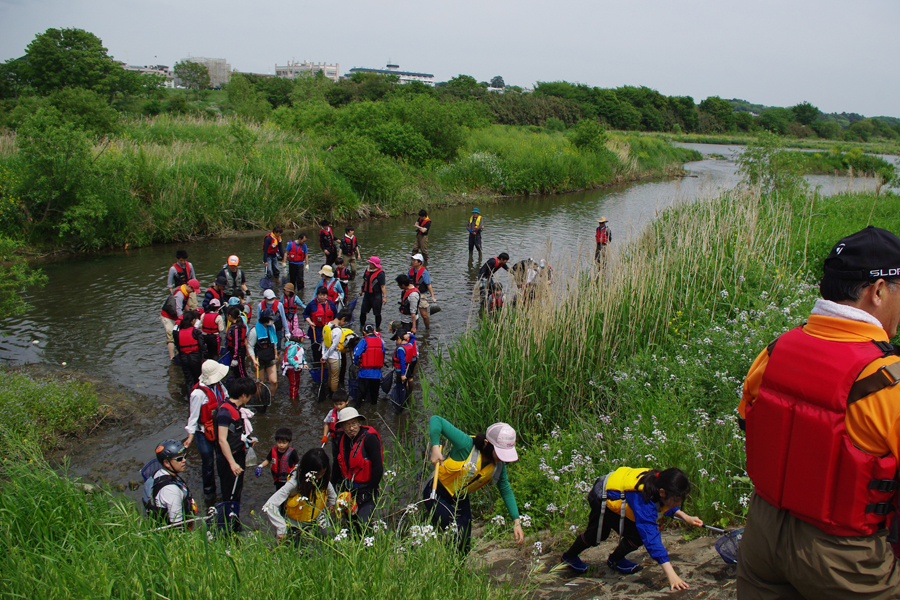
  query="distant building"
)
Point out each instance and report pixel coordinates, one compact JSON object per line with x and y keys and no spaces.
{"x":295,"y":69}
{"x":161,"y":70}
{"x":219,"y":70}
{"x":392,"y":69}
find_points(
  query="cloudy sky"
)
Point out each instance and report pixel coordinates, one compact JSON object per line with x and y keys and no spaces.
{"x":840,"y":56}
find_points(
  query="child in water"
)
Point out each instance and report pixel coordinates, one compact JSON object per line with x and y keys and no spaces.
{"x":339,"y":401}
{"x":631,"y":501}
{"x":282,"y":457}
{"x":305,"y":497}
{"x":293,"y":360}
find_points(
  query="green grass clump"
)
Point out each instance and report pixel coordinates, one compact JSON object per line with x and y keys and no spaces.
{"x":46,"y":407}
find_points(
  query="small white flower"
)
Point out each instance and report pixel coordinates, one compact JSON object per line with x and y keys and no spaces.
{"x":551,"y":508}
{"x":528,"y":505}
{"x":369,"y":542}
{"x":573,"y":528}
{"x":526,"y":521}
{"x":498,"y":520}
{"x":537,"y":549}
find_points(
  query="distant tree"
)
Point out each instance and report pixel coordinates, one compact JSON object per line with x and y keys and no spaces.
{"x":777,"y":120}
{"x":829,"y":130}
{"x":497,"y":82}
{"x":805,"y":113}
{"x":193,"y":75}
{"x":60,"y":58}
{"x":464,"y":86}
{"x":588,"y":135}
{"x":245,"y":100}
{"x":743,"y":120}
{"x":719,"y":114}
{"x":12,"y":80}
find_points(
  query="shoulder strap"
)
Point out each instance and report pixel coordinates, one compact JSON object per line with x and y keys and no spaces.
{"x":886,"y":376}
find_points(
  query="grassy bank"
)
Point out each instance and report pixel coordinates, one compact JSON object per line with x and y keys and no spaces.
{"x":178,"y":177}
{"x":46,"y":408}
{"x":662,"y":341}
{"x":873,"y":147}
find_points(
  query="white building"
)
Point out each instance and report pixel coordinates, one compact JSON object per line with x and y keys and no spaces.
{"x":392,"y":69}
{"x":295,"y":69}
{"x":161,"y":70}
{"x":219,"y":70}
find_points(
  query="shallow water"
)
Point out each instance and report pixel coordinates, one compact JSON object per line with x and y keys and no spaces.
{"x":99,"y":314}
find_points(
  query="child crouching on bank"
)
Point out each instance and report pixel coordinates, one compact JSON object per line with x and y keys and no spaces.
{"x":631,"y":501}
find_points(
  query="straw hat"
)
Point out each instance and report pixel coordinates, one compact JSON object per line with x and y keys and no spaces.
{"x":288,"y":287}
{"x":601,"y":220}
{"x":212,"y":372}
{"x":326,"y":270}
{"x":348,"y":414}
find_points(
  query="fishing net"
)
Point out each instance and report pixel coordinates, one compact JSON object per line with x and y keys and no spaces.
{"x":727,"y":545}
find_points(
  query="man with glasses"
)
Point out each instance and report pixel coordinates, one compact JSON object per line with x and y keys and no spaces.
{"x":171,"y":499}
{"x":821,"y":406}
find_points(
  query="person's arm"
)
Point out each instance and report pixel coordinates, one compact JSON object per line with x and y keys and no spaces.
{"x":226,"y":449}
{"x":251,"y":344}
{"x":197,"y":398}
{"x":272,"y":507}
{"x":645,"y":516}
{"x":401,"y":355}
{"x":414,"y":309}
{"x":431,"y":291}
{"x":339,"y":289}
{"x":198,"y":335}
{"x":695,"y":521}
{"x":307,"y":312}
{"x":170,"y":279}
{"x":509,"y":499}
{"x":220,"y":323}
{"x":372,"y":446}
{"x":285,"y":326}
{"x":358,"y":351}
{"x":380,"y":281}
{"x":753,"y":381}
{"x":460,"y":442}
{"x":179,"y":304}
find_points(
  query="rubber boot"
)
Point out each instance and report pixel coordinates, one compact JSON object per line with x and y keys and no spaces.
{"x":294,"y":387}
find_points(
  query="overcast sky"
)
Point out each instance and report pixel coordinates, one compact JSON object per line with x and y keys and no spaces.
{"x":840,"y":56}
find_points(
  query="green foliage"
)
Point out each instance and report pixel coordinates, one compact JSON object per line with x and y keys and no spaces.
{"x":497,"y":82}
{"x":511,"y":108}
{"x":245,"y":100}
{"x":776,"y":120}
{"x":194,"y":75}
{"x":854,"y":162}
{"x":766,"y":166}
{"x":805,"y":113}
{"x":588,"y":136}
{"x":84,"y":109}
{"x":15,"y":273}
{"x":371,"y":173}
{"x":716,"y":115}
{"x":464,"y":86}
{"x":554,"y":124}
{"x":61,"y":58}
{"x":47,"y":407}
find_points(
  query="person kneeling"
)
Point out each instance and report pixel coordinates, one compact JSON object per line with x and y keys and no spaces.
{"x":305,"y":496}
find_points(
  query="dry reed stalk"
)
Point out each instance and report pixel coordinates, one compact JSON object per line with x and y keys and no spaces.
{"x":8,"y":145}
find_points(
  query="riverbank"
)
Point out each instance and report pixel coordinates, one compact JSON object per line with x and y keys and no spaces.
{"x":879,"y":147}
{"x":168,"y":178}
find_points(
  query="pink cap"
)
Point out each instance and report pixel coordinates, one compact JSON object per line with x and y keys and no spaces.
{"x":503,"y":438}
{"x":375,"y":261}
{"x":193,"y":283}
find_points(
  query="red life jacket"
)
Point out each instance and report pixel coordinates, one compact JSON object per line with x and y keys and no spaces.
{"x":416,"y":277}
{"x":272,"y":241}
{"x":348,"y":245}
{"x":368,"y":285}
{"x":342,"y":274}
{"x":332,"y":293}
{"x":799,"y":454}
{"x":357,"y":467}
{"x":214,"y":400}
{"x":187,"y":343}
{"x":215,"y":293}
{"x":412,"y":351}
{"x":496,"y":302}
{"x":409,"y":354}
{"x":421,"y":222}
{"x":280,"y":467}
{"x":182,"y":274}
{"x":290,"y":306}
{"x":236,"y":339}
{"x":603,"y":234}
{"x":208,"y":323}
{"x":332,"y":426}
{"x":326,"y":238}
{"x":295,"y":253}
{"x":322,"y":315}
{"x":275,"y":305}
{"x":405,"y":308}
{"x":373,"y":356}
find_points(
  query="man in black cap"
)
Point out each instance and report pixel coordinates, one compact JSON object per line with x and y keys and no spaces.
{"x":821,"y":408}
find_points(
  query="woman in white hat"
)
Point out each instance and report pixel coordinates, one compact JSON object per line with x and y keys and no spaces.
{"x":208,"y":394}
{"x":331,"y":283}
{"x":473,"y":462}
{"x":360,"y":463}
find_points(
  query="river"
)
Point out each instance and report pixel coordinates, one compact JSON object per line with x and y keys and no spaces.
{"x":98,"y":314}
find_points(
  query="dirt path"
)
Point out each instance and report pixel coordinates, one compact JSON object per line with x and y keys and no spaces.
{"x":696,"y":561}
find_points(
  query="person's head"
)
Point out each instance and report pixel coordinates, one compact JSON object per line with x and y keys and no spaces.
{"x":181,"y":257}
{"x":339,"y":261}
{"x":313,"y":472}
{"x":233,"y":313}
{"x":278,"y":230}
{"x":188,"y":317}
{"x":340,"y":399}
{"x":241,"y":390}
{"x":194,"y":285}
{"x":239,"y":294}
{"x":348,"y":230}
{"x":233,"y":262}
{"x":423,"y":213}
{"x":283,"y":437}
{"x":300,"y":237}
{"x":212,"y":372}
{"x":374,"y":263}
{"x":863,"y":271}
{"x":288,"y":289}
{"x":325,"y":223}
{"x":496,"y":288}
{"x":326,"y":272}
{"x":349,"y":420}
{"x":401,"y":336}
{"x":370,"y":329}
{"x":269,"y":296}
{"x":502,"y":438}
{"x":221,"y":282}
{"x":344,"y":316}
{"x":322,"y":294}
{"x":266,"y":316}
{"x":417,"y":260}
{"x":171,"y":455}
{"x":503,"y":257}
{"x":668,"y":488}
{"x":601,"y":221}
{"x":403,"y":281}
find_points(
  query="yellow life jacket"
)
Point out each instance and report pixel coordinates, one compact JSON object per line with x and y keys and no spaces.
{"x":299,"y":508}
{"x":459,"y":477}
{"x":475,"y":222}
{"x":623,"y":479}
{"x":327,"y":339}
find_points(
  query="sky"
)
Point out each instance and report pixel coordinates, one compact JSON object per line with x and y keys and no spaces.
{"x":840,"y":56}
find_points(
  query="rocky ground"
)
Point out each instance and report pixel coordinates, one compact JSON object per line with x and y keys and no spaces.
{"x":542,"y":578}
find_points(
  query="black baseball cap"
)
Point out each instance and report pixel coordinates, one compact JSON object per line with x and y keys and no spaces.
{"x":867,"y":255}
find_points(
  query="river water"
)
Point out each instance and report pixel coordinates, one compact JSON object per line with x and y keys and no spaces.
{"x":99,"y":314}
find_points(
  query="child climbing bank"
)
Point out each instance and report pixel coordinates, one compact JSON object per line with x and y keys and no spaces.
{"x":631,"y":501}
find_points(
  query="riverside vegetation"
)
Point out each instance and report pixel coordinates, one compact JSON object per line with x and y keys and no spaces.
{"x":652,"y":377}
